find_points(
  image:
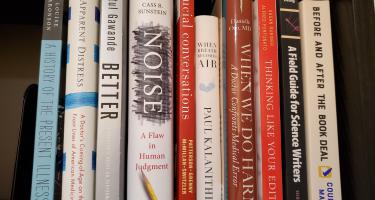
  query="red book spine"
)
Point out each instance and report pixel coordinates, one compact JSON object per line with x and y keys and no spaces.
{"x":241,"y":148}
{"x":185,"y":122}
{"x":269,"y":101}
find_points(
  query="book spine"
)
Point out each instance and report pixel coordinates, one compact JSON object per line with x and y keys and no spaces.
{"x":124,"y":108}
{"x":293,"y":125}
{"x":150,"y":112}
{"x":320,"y":102}
{"x":223,"y":97}
{"x":48,"y":101}
{"x":109,"y":132}
{"x":269,"y":99}
{"x":209,"y":184}
{"x":59,"y":148}
{"x":185,"y":122}
{"x":81,"y":100}
{"x":241,"y":153}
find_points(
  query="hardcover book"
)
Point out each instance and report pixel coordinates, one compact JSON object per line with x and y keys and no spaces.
{"x":81,"y":100}
{"x":110,"y":134}
{"x":44,"y":160}
{"x":185,"y":104}
{"x":268,"y":103}
{"x":292,"y":110}
{"x":323,"y":168}
{"x":209,"y":173}
{"x":241,"y":148}
{"x":150,"y":111}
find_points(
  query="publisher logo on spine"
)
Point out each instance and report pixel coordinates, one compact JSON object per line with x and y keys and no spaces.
{"x":325,"y":171}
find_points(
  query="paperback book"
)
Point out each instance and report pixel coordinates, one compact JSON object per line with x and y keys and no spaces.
{"x":323,"y":167}
{"x":291,"y":93}
{"x":268,"y":103}
{"x":44,"y":160}
{"x":81,"y":100}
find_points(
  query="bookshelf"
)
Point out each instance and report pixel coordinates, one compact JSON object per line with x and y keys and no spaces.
{"x":353,"y":26}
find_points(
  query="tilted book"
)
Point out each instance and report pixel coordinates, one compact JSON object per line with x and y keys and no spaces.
{"x":44,"y":163}
{"x":150,"y":111}
{"x":291,"y":92}
{"x":209,"y":173}
{"x":323,"y":167}
{"x":23,"y":164}
{"x":81,"y":100}
{"x":268,"y":103}
{"x":110,"y":135}
{"x":241,"y":147}
{"x":185,"y":103}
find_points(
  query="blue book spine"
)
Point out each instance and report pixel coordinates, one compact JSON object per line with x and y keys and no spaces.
{"x":43,"y":177}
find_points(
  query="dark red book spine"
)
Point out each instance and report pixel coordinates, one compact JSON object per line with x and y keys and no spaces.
{"x":185,"y":106}
{"x":241,"y":148}
{"x":270,"y":130}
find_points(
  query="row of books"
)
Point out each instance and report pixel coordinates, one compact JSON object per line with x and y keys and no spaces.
{"x":232,"y":100}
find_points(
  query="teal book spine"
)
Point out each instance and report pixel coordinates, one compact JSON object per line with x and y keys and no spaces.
{"x":44,"y":163}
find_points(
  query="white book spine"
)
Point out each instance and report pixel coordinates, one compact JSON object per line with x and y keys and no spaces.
{"x":150,"y":112}
{"x":109,"y":132}
{"x":79,"y":159}
{"x":207,"y":64}
{"x":320,"y":105}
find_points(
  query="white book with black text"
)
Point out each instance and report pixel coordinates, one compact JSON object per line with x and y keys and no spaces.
{"x":208,"y":125}
{"x":322,"y":152}
{"x":110,"y":134}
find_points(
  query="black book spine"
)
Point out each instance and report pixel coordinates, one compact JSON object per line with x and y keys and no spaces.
{"x":292,"y":108}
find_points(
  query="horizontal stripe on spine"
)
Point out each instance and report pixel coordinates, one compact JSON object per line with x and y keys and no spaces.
{"x":81,"y":99}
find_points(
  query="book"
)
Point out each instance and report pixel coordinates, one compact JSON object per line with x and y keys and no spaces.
{"x":124,"y":109}
{"x":150,"y":111}
{"x":44,"y":159}
{"x":110,"y":134}
{"x":268,"y":102}
{"x":323,"y":168}
{"x":208,"y":135}
{"x":223,"y":96}
{"x":81,"y":100}
{"x":241,"y":151}
{"x":219,"y":10}
{"x":23,"y":165}
{"x":185,"y":103}
{"x":291,"y":93}
{"x":257,"y":99}
{"x":59,"y":149}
